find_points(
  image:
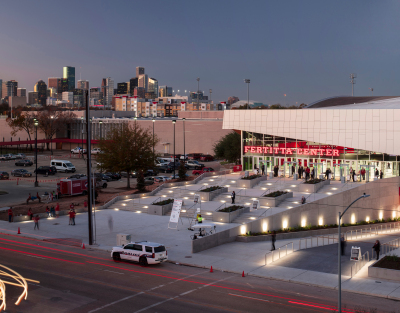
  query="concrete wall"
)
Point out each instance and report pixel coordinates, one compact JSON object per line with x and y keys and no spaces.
{"x":201,"y":114}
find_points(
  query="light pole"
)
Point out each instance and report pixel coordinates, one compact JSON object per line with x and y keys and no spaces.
{"x":184,"y":152}
{"x":153,"y":140}
{"x":51,"y":134}
{"x":36,"y":126}
{"x":82,"y":134}
{"x":339,"y":254}
{"x":353,"y":77}
{"x":210,"y":95}
{"x":372,"y":90}
{"x":198,"y":91}
{"x":101,"y":122}
{"x":173,"y":122}
{"x":247,"y":81}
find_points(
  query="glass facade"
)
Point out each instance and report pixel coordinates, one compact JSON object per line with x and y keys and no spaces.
{"x":69,"y":73}
{"x":287,"y":152}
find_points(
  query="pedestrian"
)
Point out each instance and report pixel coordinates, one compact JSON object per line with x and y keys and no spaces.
{"x":381,"y":175}
{"x":313,"y":173}
{"x":342,"y":245}
{"x":110,"y":223}
{"x":36,"y":220}
{"x":354,"y":175}
{"x":363,"y":173}
{"x":307,"y":173}
{"x":303,"y":200}
{"x":377,"y":248}
{"x":48,"y":211}
{"x":273,"y":239}
{"x":54,"y":195}
{"x":233,"y":196}
{"x":263,"y":169}
{"x":57,"y":210}
{"x":376,"y":173}
{"x":50,"y":197}
{"x":293,"y":169}
{"x":52,"y":212}
{"x":71,"y":214}
{"x":299,"y":171}
{"x":38,"y":197}
{"x":30,"y":214}
{"x":10,"y":215}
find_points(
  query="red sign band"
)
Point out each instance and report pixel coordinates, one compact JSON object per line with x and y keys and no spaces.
{"x":300,"y":151}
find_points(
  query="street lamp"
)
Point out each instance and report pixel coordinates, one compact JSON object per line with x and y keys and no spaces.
{"x":101,"y":122}
{"x":247,"y":81}
{"x":51,"y":134}
{"x":36,"y":126}
{"x":173,"y":122}
{"x":153,"y":137}
{"x":82,"y":134}
{"x":184,"y":153}
{"x":339,"y":255}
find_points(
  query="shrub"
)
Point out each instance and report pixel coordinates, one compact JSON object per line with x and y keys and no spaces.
{"x":254,"y":176}
{"x":231,"y":208}
{"x":276,"y":194}
{"x":314,"y":181}
{"x":164,"y":202}
{"x":211,"y":188}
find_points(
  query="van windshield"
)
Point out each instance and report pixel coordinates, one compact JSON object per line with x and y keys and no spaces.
{"x":159,"y":249}
{"x":69,"y":164}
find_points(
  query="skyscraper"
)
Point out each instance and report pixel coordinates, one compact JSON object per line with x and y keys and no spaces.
{"x":69,"y":73}
{"x":83,"y":84}
{"x":143,"y":82}
{"x":21,"y":92}
{"x":41,"y":89}
{"x":122,"y":88}
{"x":162,"y":91}
{"x":139,"y":71}
{"x":9,"y":88}
{"x":64,"y":85}
{"x":133,"y":83}
{"x":169,"y":91}
{"x":153,"y":87}
{"x":109,"y":92}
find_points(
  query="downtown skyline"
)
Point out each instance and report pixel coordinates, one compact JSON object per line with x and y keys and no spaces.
{"x":305,"y":50}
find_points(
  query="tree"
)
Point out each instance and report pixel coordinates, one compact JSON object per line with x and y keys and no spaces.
{"x":22,"y":122}
{"x":127,"y":148}
{"x":228,"y":147}
{"x":182,"y":171}
{"x":52,"y":121}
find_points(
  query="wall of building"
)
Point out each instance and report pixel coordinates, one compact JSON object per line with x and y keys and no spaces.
{"x":5,"y":132}
{"x":201,"y":114}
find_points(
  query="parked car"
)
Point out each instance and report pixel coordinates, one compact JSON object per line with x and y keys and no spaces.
{"x":47,"y":170}
{"x":160,"y":179}
{"x":4,"y":175}
{"x":114,"y":176}
{"x":10,"y":156}
{"x":206,"y":158}
{"x":143,"y":252}
{"x":20,"y":156}
{"x":177,"y":165}
{"x":194,"y":156}
{"x":4,"y":157}
{"x":25,"y":162}
{"x":193,"y":164}
{"x":148,"y":181}
{"x":95,"y":151}
{"x":21,"y":173}
{"x":173,"y":176}
{"x":184,"y":157}
{"x":77,"y":176}
{"x":165,"y":168}
{"x":78,"y":150}
{"x":202,"y":171}
{"x":103,"y":176}
{"x":125,"y":174}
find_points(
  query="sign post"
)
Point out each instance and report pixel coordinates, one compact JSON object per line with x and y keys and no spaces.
{"x":175,"y":214}
{"x":255,"y":204}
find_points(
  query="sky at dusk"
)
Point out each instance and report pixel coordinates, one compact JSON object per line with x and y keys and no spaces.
{"x":304,"y":49}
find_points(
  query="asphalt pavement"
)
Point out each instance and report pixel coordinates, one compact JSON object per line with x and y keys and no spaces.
{"x":86,"y":280}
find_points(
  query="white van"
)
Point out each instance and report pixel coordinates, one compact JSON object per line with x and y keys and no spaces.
{"x":63,"y":166}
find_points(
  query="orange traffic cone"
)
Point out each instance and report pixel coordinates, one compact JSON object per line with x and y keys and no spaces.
{"x":19,"y":231}
{"x":83,"y":246}
{"x":243,"y":274}
{"x":211,"y":270}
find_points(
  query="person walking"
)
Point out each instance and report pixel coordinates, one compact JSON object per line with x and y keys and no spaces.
{"x":381,"y":175}
{"x":54,"y":195}
{"x":307,"y":173}
{"x":273,"y":239}
{"x":342,"y":245}
{"x":354,"y":175}
{"x":57,"y":210}
{"x":36,"y":220}
{"x":293,"y":169}
{"x":376,"y":173}
{"x":377,"y":248}
{"x":48,"y":211}
{"x":71,"y":214}
{"x":313,"y":173}
{"x":30,"y":214}
{"x":299,"y":172}
{"x":10,"y":215}
{"x":263,"y":169}
{"x":303,"y":200}
{"x":52,"y":211}
{"x":363,"y":173}
{"x":233,"y":196}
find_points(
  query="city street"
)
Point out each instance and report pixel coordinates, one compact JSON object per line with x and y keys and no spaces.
{"x":87,"y":280}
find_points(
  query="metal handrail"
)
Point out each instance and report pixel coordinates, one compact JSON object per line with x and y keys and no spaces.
{"x":220,"y":206}
{"x":330,"y":237}
{"x":392,"y":227}
{"x":279,"y":253}
{"x":360,"y":264}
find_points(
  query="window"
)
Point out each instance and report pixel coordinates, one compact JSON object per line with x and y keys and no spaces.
{"x":137,"y":247}
{"x":130,"y":247}
{"x":159,"y":249}
{"x":149,"y":249}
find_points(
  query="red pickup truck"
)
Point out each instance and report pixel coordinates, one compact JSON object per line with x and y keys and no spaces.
{"x":202,"y":171}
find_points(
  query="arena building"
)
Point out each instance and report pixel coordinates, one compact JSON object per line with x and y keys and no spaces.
{"x":339,"y":133}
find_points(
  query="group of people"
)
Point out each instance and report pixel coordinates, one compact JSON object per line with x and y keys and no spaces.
{"x":72,"y":214}
{"x":306,"y":172}
{"x":51,"y":196}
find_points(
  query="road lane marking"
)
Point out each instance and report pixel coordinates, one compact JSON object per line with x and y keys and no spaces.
{"x":185,"y":293}
{"x":232,"y":294}
{"x":37,"y":257}
{"x":113,"y":272}
{"x":115,"y":302}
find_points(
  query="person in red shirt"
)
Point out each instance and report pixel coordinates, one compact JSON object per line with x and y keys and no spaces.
{"x":73,"y":217}
{"x":30,"y":214}
{"x":10,"y":215}
{"x":71,"y":214}
{"x":36,"y":220}
{"x":48,"y":211}
{"x":57,"y":209}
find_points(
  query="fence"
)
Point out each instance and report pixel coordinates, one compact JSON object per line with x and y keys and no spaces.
{"x":273,"y":252}
{"x":372,"y":231}
{"x":309,"y":241}
{"x":357,"y":266}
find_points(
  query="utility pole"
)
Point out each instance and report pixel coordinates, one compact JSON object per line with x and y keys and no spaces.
{"x":210,"y":97}
{"x":89,"y":170}
{"x":353,"y":77}
{"x":372,"y":90}
{"x":198,"y":91}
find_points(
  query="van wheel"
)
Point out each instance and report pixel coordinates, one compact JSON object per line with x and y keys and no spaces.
{"x":143,"y":261}
{"x":116,"y":257}
{"x":84,"y":192}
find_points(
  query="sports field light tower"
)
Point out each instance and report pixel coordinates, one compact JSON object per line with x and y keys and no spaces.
{"x":353,"y":77}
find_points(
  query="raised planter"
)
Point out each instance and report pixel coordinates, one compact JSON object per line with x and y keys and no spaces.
{"x":312,"y":188}
{"x":228,"y":217}
{"x":208,"y":196}
{"x":159,"y":209}
{"x":274,"y":201}
{"x":383,"y":273}
{"x":250,"y":183}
